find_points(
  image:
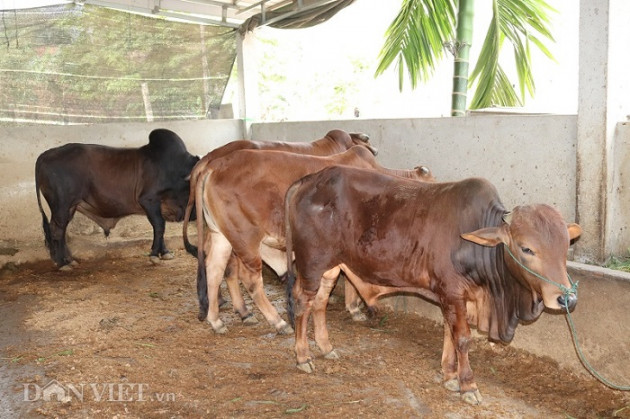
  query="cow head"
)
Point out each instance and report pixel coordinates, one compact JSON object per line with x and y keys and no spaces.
{"x":537,"y":240}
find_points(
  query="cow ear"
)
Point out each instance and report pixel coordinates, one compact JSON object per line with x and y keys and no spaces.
{"x":575,"y":231}
{"x":489,"y":236}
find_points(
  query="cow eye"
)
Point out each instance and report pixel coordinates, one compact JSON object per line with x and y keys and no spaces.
{"x":527,"y":251}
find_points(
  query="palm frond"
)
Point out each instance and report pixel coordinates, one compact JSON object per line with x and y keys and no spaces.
{"x":416,"y":37}
{"x":499,"y":93}
{"x":522,"y":23}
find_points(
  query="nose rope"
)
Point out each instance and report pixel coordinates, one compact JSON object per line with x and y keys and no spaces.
{"x":574,"y":336}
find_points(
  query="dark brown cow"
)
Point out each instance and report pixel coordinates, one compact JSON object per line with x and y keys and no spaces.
{"x":444,"y":241}
{"x":107,"y":183}
{"x":241,"y":197}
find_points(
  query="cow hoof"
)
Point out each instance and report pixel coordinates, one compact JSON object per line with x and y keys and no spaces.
{"x":284,"y":329}
{"x":218,"y":327}
{"x":167,"y":256}
{"x":155,"y":260}
{"x":452,"y":384}
{"x":74,"y":263}
{"x":359,"y":316}
{"x":250,"y":320}
{"x":332,"y":355}
{"x":472,"y":397}
{"x":65,"y":268}
{"x":220,"y":330}
{"x":307,"y":366}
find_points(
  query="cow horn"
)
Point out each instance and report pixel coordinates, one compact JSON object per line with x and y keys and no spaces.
{"x":423,"y":170}
{"x":360,"y":135}
{"x":507,"y":218}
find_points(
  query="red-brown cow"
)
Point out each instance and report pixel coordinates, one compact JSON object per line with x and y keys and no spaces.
{"x":448,"y":242}
{"x":241,"y":199}
{"x":334,"y":142}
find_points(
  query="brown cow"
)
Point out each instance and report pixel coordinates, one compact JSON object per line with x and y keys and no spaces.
{"x":438,"y":240}
{"x":240,"y":197}
{"x":334,"y":142}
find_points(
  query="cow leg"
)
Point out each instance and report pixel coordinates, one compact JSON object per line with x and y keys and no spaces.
{"x":59,"y":251}
{"x":216,"y":261}
{"x":455,"y":320}
{"x":319,"y":312}
{"x":303,"y":306}
{"x":253,"y":282}
{"x":449,"y":361}
{"x":353,"y":302}
{"x":238,"y":303}
{"x":152,"y":209}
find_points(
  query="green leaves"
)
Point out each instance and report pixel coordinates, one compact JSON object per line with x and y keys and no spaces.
{"x":415,"y":39}
{"x":521,"y":22}
{"x":415,"y":42}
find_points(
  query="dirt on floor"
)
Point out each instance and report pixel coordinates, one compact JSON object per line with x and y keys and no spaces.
{"x":119,"y":337}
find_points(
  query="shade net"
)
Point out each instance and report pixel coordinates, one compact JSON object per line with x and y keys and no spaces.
{"x":84,"y":64}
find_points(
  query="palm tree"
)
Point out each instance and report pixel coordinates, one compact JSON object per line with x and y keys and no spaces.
{"x":424,"y":29}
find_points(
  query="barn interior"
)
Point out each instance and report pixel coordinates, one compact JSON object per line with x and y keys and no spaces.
{"x":578,"y":162}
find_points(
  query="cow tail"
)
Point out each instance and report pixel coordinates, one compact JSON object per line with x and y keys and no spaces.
{"x":202,"y":280}
{"x":291,"y":279}
{"x":45,"y":222}
{"x":194,"y":177}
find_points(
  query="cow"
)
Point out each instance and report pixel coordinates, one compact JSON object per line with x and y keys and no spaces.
{"x":335,"y":141}
{"x":107,"y":183}
{"x":451,"y":243}
{"x":241,"y":199}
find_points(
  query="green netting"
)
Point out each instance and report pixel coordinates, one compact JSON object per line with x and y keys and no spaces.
{"x":85,"y":64}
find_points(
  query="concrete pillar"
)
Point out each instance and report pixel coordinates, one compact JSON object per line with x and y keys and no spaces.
{"x":592,"y":129}
{"x":247,"y":68}
{"x":602,"y":102}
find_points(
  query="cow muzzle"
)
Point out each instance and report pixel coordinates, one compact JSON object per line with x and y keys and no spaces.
{"x":568,"y":301}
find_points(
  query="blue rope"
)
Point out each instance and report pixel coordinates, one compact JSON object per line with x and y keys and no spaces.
{"x":566,"y":291}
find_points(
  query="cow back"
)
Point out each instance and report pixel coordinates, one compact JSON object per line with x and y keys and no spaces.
{"x":254,"y":182}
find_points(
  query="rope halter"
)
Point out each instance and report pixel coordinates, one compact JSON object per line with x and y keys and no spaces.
{"x":565,"y":291}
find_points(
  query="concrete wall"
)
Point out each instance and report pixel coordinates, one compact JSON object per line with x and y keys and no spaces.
{"x":528,"y":158}
{"x":618,"y":193}
{"x":603,"y":337}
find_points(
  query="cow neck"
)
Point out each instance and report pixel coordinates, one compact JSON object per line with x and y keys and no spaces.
{"x":510,"y":298}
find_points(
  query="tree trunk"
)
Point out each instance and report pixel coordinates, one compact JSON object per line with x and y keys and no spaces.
{"x":461,"y":51}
